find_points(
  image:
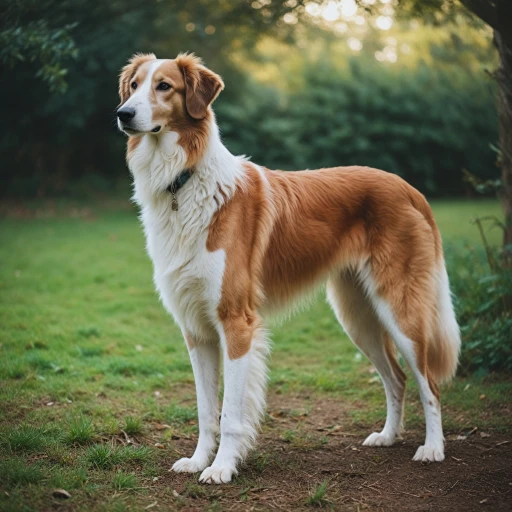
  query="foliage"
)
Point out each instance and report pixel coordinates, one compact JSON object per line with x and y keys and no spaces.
{"x":408,"y":123}
{"x":62,"y":142}
{"x":425,"y":123}
{"x":49,"y":131}
{"x":497,"y":14}
{"x":484,"y":309}
{"x":36,"y":42}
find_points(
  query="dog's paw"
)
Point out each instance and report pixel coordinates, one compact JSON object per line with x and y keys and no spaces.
{"x":217,"y":475}
{"x":429,"y":454}
{"x":186,"y":465}
{"x":379,"y":439}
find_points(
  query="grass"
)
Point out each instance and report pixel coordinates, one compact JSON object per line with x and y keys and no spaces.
{"x":132,"y":425}
{"x":87,"y":352}
{"x":124,"y":481}
{"x":178,"y":415}
{"x":317,"y":497}
{"x":16,"y":472}
{"x":260,"y":461}
{"x":103,"y":456}
{"x":68,"y":478}
{"x":80,"y":431}
{"x":195,"y":491}
{"x":24,"y":438}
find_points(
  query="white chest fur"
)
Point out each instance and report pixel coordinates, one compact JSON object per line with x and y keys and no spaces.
{"x":187,"y":276}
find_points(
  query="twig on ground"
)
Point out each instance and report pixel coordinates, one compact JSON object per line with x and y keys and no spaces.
{"x":128,"y":440}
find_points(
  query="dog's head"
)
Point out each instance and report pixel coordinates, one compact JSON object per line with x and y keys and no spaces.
{"x":159,"y":95}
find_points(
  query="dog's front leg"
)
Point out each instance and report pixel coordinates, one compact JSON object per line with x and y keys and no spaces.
{"x":244,"y":347}
{"x":205,"y":358}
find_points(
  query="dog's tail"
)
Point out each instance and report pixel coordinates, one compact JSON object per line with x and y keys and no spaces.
{"x":444,"y":340}
{"x":443,"y":351}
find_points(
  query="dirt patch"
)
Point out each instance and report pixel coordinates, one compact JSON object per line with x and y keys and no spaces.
{"x":306,"y":442}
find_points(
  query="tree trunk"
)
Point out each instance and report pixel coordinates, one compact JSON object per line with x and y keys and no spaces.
{"x":503,"y":42}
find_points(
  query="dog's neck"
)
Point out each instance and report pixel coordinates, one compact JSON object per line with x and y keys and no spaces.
{"x":158,"y":160}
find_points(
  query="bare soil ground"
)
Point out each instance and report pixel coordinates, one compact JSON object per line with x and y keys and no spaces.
{"x":295,"y":454}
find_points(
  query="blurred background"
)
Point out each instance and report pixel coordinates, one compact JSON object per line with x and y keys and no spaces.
{"x":403,"y":86}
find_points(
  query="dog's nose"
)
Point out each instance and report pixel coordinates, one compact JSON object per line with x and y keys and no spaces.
{"x":126,"y":114}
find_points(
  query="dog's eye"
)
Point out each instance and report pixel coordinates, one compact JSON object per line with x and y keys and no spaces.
{"x":162,"y":86}
{"x":134,"y":85}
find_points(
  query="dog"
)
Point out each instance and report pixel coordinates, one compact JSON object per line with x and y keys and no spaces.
{"x":232,"y":241}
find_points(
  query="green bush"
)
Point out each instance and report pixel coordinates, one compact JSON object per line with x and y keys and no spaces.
{"x":484,"y":309}
{"x":425,"y":125}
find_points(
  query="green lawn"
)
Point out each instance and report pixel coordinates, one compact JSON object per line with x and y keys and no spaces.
{"x":89,"y":357}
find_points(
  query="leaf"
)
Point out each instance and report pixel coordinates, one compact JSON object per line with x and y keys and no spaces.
{"x":486,"y":306}
{"x":489,"y":278}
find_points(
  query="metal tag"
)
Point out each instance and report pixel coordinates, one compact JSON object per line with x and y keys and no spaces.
{"x":174,"y":204}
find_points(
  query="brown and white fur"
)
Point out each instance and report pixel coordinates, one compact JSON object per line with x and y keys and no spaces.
{"x":247,"y":240}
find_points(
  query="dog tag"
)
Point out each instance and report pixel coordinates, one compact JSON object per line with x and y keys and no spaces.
{"x":174,"y":203}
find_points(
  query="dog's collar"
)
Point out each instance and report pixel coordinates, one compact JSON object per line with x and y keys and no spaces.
{"x":178,"y":183}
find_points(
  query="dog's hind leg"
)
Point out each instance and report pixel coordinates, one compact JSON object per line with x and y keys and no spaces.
{"x":245,"y":349}
{"x":205,"y":359}
{"x":406,"y":315}
{"x":357,"y":316}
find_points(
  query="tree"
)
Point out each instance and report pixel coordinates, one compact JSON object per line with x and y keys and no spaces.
{"x":497,"y":14}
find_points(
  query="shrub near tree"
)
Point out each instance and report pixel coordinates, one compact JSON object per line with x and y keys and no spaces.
{"x":404,"y":122}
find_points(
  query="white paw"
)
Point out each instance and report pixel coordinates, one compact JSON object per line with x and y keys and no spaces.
{"x":189,"y":465}
{"x":379,"y":439}
{"x":216,"y":475}
{"x":429,"y":453}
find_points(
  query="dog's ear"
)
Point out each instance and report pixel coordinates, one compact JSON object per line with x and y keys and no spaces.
{"x":128,"y":72}
{"x":202,"y":86}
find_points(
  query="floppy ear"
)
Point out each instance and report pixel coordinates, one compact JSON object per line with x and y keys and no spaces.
{"x":202,"y":86}
{"x":128,"y":72}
